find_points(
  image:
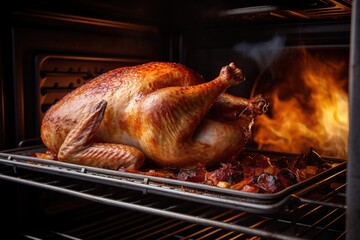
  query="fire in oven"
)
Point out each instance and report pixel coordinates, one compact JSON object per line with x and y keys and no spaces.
{"x":176,"y":120}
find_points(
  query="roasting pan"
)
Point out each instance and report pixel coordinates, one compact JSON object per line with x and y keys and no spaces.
{"x":20,"y":158}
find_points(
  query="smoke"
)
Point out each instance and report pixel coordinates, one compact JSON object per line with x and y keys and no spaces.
{"x":263,"y":53}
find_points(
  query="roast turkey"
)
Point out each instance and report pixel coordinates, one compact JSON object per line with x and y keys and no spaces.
{"x":160,"y":112}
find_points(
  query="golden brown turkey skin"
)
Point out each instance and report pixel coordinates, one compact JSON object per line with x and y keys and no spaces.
{"x":164,"y":112}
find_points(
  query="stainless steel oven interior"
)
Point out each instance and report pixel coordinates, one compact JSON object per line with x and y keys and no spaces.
{"x":49,"y":48}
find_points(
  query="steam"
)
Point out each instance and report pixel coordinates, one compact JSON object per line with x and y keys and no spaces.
{"x":263,"y":53}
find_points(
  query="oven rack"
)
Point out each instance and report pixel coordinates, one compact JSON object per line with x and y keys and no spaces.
{"x":251,"y":202}
{"x":316,"y":211}
{"x":318,"y":214}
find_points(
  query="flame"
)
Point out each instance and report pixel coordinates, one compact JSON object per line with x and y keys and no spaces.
{"x":308,"y":109}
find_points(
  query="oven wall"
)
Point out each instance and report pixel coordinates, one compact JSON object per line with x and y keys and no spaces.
{"x":42,"y":40}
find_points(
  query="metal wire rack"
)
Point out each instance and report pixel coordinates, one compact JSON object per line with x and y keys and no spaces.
{"x":122,"y":213}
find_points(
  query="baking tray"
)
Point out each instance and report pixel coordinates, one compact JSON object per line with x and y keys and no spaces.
{"x":20,"y":158}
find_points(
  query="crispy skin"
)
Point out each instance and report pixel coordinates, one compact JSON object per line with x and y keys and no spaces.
{"x":157,"y":110}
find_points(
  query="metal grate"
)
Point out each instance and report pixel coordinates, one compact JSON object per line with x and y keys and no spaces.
{"x":127,"y":214}
{"x":57,"y":75}
{"x":203,"y":193}
{"x":281,"y":11}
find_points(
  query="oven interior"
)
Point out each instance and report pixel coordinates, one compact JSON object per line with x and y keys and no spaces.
{"x":52,"y":47}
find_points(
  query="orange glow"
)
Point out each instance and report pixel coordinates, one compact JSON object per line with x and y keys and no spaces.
{"x":308,"y":108}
